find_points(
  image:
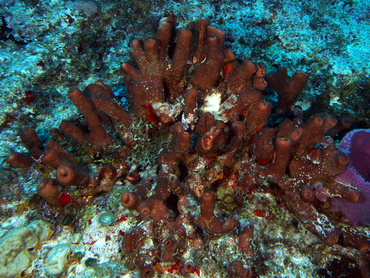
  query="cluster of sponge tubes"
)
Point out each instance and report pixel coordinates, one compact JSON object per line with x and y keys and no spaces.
{"x":73,"y":148}
{"x":235,"y":140}
{"x":221,"y":137}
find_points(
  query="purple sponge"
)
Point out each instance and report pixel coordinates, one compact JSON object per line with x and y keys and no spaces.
{"x":356,"y":145}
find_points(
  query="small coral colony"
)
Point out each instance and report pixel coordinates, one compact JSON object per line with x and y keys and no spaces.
{"x":212,"y":140}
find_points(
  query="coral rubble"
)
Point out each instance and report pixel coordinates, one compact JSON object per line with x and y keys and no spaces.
{"x":183,"y":84}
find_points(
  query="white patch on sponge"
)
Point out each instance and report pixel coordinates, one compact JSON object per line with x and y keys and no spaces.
{"x":212,"y":104}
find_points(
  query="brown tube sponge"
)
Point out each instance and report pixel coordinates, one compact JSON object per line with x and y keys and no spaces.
{"x":207,"y":206}
{"x":180,"y":138}
{"x":163,"y":34}
{"x":73,"y":131}
{"x":288,"y":89}
{"x":307,"y":214}
{"x":355,"y":238}
{"x":258,"y":117}
{"x":333,"y":161}
{"x":285,"y":127}
{"x":63,"y":152}
{"x":259,"y":82}
{"x":240,"y":76}
{"x":188,"y":267}
{"x":207,"y":73}
{"x":50,"y":191}
{"x":170,"y":246}
{"x":146,"y":272}
{"x":56,"y":135}
{"x":97,"y":135}
{"x":114,"y":110}
{"x":154,"y":208}
{"x":314,"y":130}
{"x":98,"y":90}
{"x":283,"y":148}
{"x":174,"y":75}
{"x":346,"y":191}
{"x":53,"y":159}
{"x":246,"y":101}
{"x":205,"y":122}
{"x":30,"y":139}
{"x":149,"y":75}
{"x":211,"y":142}
{"x":236,"y":269}
{"x":164,"y":184}
{"x":191,"y":107}
{"x":20,"y":160}
{"x":264,"y":146}
{"x":342,"y":125}
{"x":209,"y":221}
{"x":244,"y":236}
{"x":198,"y":50}
{"x":307,"y":193}
{"x":71,"y":175}
{"x":132,"y":240}
{"x":131,"y":200}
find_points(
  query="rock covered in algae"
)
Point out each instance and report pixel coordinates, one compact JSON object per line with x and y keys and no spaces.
{"x":19,"y":245}
{"x":41,"y":229}
{"x":58,"y":258}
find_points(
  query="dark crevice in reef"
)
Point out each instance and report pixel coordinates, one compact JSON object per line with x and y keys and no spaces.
{"x":183,"y":171}
{"x":342,"y":268}
{"x":171,"y":203}
{"x":5,"y":33}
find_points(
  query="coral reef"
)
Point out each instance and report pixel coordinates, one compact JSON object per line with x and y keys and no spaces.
{"x":184,"y":84}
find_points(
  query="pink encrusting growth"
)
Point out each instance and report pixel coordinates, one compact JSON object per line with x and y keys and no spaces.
{"x":356,"y":145}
